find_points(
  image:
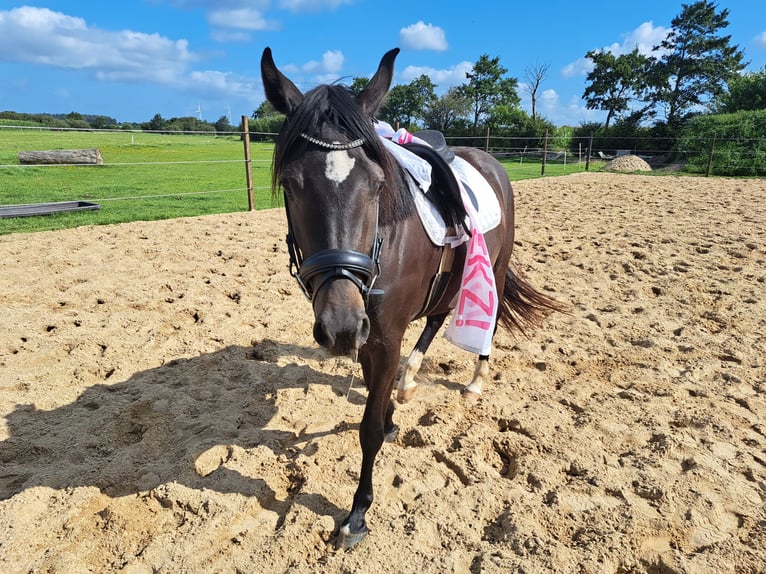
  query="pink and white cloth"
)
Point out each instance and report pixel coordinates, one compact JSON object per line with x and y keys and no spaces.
{"x":473,"y":319}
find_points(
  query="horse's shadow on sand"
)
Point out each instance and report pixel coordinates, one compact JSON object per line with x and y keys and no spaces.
{"x":156,"y":427}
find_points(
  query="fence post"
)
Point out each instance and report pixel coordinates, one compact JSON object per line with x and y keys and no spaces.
{"x":486,"y":142}
{"x":248,"y":164}
{"x":710,"y":157}
{"x":545,"y":152}
{"x":588,"y":152}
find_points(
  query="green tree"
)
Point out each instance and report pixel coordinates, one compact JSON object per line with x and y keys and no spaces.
{"x":102,"y":122}
{"x":76,"y":120}
{"x":696,"y":62}
{"x":157,"y":123}
{"x":264,"y":110}
{"x":223,"y":125}
{"x":746,"y":92}
{"x":616,"y":82}
{"x":448,"y":112}
{"x":266,"y":122}
{"x":487,"y":87}
{"x":405,"y":103}
{"x":358,"y":84}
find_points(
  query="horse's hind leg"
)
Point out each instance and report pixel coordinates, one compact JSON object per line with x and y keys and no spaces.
{"x":407,"y":385}
{"x":472,"y":391}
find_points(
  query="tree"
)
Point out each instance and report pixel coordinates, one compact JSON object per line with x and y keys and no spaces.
{"x":264,"y":110}
{"x":358,"y":84}
{"x":102,"y":122}
{"x":157,"y":123}
{"x":223,"y":125}
{"x":534,"y":76}
{"x":487,"y":87}
{"x":696,"y":63}
{"x":447,"y":112}
{"x":405,"y":102}
{"x":746,"y":92}
{"x":616,"y":82}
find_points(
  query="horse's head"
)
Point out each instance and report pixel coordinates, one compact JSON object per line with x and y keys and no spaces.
{"x":332,"y":170}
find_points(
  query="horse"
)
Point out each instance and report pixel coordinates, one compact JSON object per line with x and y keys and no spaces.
{"x":360,"y":253}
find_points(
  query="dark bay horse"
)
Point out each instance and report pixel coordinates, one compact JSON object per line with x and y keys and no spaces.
{"x":360,"y":252}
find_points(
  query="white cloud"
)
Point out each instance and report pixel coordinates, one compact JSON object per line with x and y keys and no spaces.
{"x":580,"y":67}
{"x":760,"y":40}
{"x":332,"y":63}
{"x":422,"y":36}
{"x":645,"y":37}
{"x":44,"y":37}
{"x":549,"y":99}
{"x":215,"y":84}
{"x":442,"y":78}
{"x":240,"y":18}
{"x":41,"y":36}
{"x":312,"y":5}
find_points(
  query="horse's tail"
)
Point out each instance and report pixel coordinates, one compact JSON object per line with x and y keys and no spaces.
{"x":523,"y":307}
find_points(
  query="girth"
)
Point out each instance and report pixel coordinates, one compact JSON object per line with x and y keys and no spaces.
{"x":440,"y":281}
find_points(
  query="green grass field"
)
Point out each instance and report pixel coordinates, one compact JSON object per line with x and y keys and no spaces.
{"x":149,"y":176}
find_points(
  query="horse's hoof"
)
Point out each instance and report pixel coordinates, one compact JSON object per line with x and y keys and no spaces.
{"x":405,"y":395}
{"x":470,"y":398}
{"x":347,"y":539}
{"x":391,"y":434}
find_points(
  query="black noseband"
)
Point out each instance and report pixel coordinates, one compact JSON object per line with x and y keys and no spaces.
{"x":322,"y":267}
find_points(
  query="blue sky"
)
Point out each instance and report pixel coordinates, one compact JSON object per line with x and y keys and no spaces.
{"x":132,"y":59}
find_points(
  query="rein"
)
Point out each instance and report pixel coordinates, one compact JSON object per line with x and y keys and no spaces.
{"x":330,"y":264}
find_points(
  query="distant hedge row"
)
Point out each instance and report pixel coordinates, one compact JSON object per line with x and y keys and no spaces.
{"x":737,"y":142}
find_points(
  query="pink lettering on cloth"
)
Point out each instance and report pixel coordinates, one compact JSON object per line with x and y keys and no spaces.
{"x":473,"y":320}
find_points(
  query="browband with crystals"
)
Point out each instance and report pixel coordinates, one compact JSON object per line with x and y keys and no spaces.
{"x":333,"y":145}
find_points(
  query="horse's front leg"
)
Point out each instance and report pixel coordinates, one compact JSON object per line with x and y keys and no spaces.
{"x":379,"y":365}
{"x":407,"y":384}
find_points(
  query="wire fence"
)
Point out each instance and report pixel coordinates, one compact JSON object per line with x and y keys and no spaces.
{"x":169,"y":174}
{"x":709,"y":155}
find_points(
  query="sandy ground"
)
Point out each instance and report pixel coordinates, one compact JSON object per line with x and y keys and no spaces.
{"x":165,"y":409}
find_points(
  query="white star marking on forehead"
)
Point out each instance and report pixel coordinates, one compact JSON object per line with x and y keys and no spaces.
{"x":339,"y":165}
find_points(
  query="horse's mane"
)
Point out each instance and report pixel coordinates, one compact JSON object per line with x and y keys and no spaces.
{"x":334,"y":105}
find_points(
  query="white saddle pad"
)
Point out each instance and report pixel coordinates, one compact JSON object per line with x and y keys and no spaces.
{"x":487,"y":216}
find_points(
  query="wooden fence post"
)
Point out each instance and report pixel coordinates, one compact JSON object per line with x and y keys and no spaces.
{"x":486,"y":142}
{"x":248,"y":164}
{"x":588,"y":152}
{"x":545,"y":152}
{"x":710,"y":157}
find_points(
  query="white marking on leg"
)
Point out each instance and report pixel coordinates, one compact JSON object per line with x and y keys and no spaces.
{"x":479,"y":376}
{"x":407,"y":384}
{"x":339,"y":165}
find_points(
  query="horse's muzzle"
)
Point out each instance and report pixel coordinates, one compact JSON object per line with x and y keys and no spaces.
{"x":342,"y":331}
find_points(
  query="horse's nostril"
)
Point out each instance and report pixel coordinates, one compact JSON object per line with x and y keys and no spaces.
{"x":363,"y":330}
{"x":322,"y":336}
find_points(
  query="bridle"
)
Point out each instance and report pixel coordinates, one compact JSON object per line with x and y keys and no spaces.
{"x":329,"y":264}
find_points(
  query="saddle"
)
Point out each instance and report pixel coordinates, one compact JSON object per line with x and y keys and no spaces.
{"x":444,"y":192}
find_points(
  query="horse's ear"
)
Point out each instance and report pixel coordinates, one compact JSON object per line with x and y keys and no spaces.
{"x":375,"y":90}
{"x":280,"y":91}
